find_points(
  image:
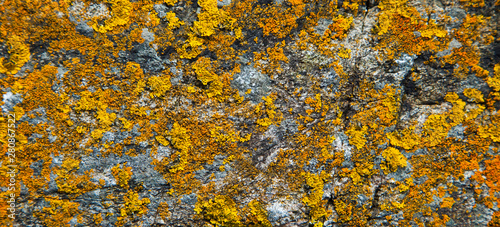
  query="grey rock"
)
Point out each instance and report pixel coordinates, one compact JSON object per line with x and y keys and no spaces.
{"x":288,"y":127}
{"x":108,"y":137}
{"x":84,"y":29}
{"x":190,"y":199}
{"x":276,"y":211}
{"x":322,"y":26}
{"x":251,"y":78}
{"x":221,"y":3}
{"x":161,"y":10}
{"x":37,"y":167}
{"x":457,"y":132}
{"x":147,"y":35}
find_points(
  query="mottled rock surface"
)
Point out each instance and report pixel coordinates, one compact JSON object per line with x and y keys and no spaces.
{"x":250,"y":113}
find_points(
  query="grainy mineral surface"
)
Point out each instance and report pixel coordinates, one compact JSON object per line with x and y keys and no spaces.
{"x":250,"y":113}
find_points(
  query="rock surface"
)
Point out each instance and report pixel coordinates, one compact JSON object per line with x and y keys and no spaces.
{"x":250,"y":113}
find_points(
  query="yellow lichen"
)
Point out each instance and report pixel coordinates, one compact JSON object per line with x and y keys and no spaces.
{"x":159,"y":85}
{"x":105,"y":118}
{"x":202,"y":69}
{"x":19,"y":54}
{"x":220,"y":211}
{"x":170,"y":2}
{"x":173,"y":21}
{"x":259,"y":214}
{"x":69,"y":182}
{"x":474,"y":94}
{"x":447,"y":202}
{"x":406,"y":138}
{"x":357,"y":136}
{"x":133,"y":206}
{"x":120,"y":11}
{"x":314,"y":199}
{"x":59,"y":213}
{"x":393,"y":160}
{"x":122,"y":175}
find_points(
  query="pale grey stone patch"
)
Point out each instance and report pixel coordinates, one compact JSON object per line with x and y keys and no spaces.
{"x":97,"y":10}
{"x":189,"y":199}
{"x":405,"y":63}
{"x":10,"y":100}
{"x":452,"y":45}
{"x":161,"y":10}
{"x":457,"y":132}
{"x":276,"y":211}
{"x":322,"y":26}
{"x":221,"y":3}
{"x":84,"y":29}
{"x":147,"y":35}
{"x":483,"y":215}
{"x":251,"y":78}
{"x":52,"y":138}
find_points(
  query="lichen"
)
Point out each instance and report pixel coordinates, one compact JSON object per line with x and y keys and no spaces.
{"x":344,"y":113}
{"x":393,"y":160}
{"x":219,"y":211}
{"x":122,"y":175}
{"x":120,"y":11}
{"x":19,"y":54}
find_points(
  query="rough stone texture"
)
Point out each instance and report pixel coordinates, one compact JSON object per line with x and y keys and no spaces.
{"x":250,"y":113}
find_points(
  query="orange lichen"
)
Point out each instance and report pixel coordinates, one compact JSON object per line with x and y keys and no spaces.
{"x":270,"y":61}
{"x":71,"y":183}
{"x":447,"y":202}
{"x":273,"y":117}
